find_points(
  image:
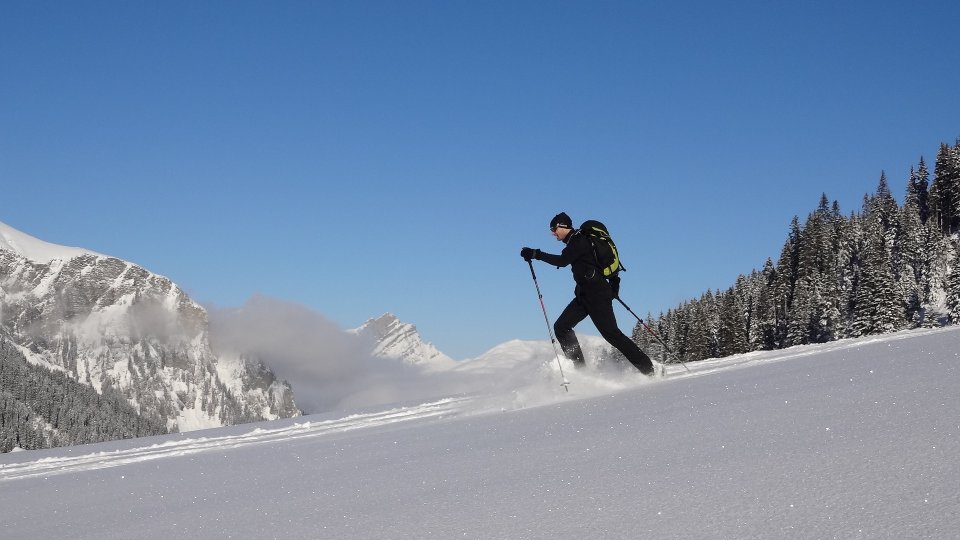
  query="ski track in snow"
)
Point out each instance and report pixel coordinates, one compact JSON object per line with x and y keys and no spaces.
{"x":102,"y":460}
{"x":590,"y":385}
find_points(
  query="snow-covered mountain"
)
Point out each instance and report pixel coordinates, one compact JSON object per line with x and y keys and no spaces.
{"x":110,"y":323}
{"x":392,"y":338}
{"x":35,"y":249}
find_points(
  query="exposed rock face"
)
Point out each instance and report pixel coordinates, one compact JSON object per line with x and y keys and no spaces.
{"x":394,"y":339}
{"x":108,"y":322}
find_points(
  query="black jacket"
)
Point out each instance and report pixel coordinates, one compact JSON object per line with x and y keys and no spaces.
{"x":578,"y":253}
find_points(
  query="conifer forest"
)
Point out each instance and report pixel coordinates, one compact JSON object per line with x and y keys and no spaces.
{"x":42,"y":408}
{"x":884,"y":268}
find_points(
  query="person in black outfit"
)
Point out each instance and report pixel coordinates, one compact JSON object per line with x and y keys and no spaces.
{"x":593,"y":296}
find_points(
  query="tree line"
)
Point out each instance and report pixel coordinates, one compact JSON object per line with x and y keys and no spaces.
{"x":882,"y":269}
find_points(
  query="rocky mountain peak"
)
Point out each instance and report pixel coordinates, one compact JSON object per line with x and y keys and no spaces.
{"x":392,"y":338}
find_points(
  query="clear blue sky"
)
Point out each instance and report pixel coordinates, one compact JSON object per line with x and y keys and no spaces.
{"x":364,"y":157}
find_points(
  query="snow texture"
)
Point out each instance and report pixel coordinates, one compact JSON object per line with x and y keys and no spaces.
{"x":851,"y":439}
{"x":35,"y":249}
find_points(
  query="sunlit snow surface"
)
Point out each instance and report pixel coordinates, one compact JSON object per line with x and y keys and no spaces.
{"x":853,"y":439}
{"x":36,"y":249}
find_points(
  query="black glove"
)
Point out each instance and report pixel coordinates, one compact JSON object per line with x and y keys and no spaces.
{"x":529,"y":254}
{"x":615,"y":285}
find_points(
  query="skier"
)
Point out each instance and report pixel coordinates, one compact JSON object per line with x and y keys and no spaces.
{"x":593,"y":296}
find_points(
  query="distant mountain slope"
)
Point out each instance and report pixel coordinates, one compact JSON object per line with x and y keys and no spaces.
{"x":113,"y":325}
{"x":392,"y":338}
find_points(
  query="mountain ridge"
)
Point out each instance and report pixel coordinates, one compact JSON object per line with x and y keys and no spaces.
{"x":392,"y":338}
{"x":111,"y":323}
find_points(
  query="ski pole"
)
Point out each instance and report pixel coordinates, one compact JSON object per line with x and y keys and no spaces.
{"x":553,"y":341}
{"x":654,"y":334}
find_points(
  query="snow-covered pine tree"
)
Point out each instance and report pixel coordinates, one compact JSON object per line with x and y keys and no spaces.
{"x":699,"y":342}
{"x":798,"y":323}
{"x":885,"y":210}
{"x":763,"y":329}
{"x":918,"y":187}
{"x":712,"y":312}
{"x":945,"y":192}
{"x":842,"y":274}
{"x":787,"y":274}
{"x":645,"y":341}
{"x":912,"y":275}
{"x":640,"y":336}
{"x":832,"y":286}
{"x":952,"y":290}
{"x":853,"y":272}
{"x":732,"y":330}
{"x":818,"y":269}
{"x":911,"y":246}
{"x":676,"y":330}
{"x":744,"y":290}
{"x":662,"y":327}
{"x":878,"y":308}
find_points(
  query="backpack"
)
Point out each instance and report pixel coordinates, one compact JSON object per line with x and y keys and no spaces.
{"x":604,"y":250}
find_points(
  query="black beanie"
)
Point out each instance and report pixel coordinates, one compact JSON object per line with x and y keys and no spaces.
{"x":561,"y":220}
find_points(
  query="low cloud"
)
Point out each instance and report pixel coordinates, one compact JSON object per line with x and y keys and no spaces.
{"x":327,"y":367}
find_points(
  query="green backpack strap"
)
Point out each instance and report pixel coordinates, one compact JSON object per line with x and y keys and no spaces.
{"x":597,"y":233}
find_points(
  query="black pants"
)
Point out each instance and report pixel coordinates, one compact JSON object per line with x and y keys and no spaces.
{"x":598,"y":305}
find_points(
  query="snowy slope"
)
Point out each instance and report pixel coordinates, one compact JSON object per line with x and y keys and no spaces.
{"x":852,"y":439}
{"x":35,"y":249}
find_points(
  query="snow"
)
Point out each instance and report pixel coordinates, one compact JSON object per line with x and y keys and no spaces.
{"x":852,"y":439}
{"x":193,"y":418}
{"x":35,"y":249}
